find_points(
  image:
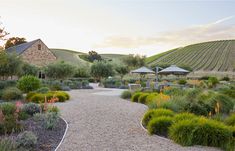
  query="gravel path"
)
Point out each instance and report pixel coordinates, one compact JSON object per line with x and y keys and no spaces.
{"x":100,"y":121}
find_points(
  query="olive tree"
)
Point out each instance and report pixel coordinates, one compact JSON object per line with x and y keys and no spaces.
{"x":59,"y":70}
{"x":10,"y":65}
{"x":101,"y":69}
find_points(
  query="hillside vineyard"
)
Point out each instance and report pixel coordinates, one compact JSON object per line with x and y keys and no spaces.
{"x":208,"y":56}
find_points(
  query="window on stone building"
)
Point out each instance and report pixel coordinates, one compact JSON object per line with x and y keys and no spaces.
{"x":39,"y":47}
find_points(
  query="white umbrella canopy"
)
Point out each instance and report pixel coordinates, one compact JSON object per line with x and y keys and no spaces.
{"x":173,"y":69}
{"x":143,"y":70}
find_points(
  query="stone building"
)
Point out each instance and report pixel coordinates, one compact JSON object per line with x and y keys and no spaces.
{"x":34,"y":52}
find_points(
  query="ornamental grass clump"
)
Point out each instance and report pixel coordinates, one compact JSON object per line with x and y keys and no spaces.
{"x":126,"y":95}
{"x":155,"y":113}
{"x":230,"y":120}
{"x":142,"y":98}
{"x":135,"y":96}
{"x":7,"y":144}
{"x":159,"y":125}
{"x":184,"y":116}
{"x":202,"y":131}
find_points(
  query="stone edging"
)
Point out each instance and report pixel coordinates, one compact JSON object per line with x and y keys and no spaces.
{"x":153,"y":135}
{"x":67,"y":126}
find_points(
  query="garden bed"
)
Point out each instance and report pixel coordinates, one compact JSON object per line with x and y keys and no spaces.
{"x":47,"y":140}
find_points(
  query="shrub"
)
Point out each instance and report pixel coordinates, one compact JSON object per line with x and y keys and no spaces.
{"x":65,"y":88}
{"x":211,"y":133}
{"x":201,"y":132}
{"x":31,"y":108}
{"x":171,"y":105}
{"x":212,"y":81}
{"x":22,"y":115}
{"x":7,"y":108}
{"x":142,"y":98}
{"x":42,"y":90}
{"x":28,"y":83}
{"x":196,"y":108}
{"x":155,"y":113}
{"x":67,"y":96}
{"x":230,"y":120}
{"x":181,"y":132}
{"x":126,"y":94}
{"x":26,"y":139}
{"x":37,"y":98}
{"x":87,"y":87}
{"x":229,"y":92}
{"x":55,"y":85}
{"x":11,"y":93}
{"x":226,"y":104}
{"x":7,"y":83}
{"x":7,"y":144}
{"x":135,"y":96}
{"x":53,"y":109}
{"x":184,"y":116}
{"x":10,"y":124}
{"x":174,"y":92}
{"x":38,"y":117}
{"x":225,"y":79}
{"x":182,"y":81}
{"x":51,"y":120}
{"x":30,"y":95}
{"x":150,"y":97}
{"x":160,"y":125}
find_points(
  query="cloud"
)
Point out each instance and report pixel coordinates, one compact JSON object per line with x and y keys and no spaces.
{"x":194,"y":34}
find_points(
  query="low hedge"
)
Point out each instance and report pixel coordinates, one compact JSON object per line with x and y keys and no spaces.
{"x":154,"y":114}
{"x":160,"y":125}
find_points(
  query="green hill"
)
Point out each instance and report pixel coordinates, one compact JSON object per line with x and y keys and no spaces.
{"x":69,"y":56}
{"x":75,"y":57}
{"x":214,"y":56}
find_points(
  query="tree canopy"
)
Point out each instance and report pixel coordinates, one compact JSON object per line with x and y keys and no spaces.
{"x":10,"y":64}
{"x":59,"y":70}
{"x":13,"y":41}
{"x":101,"y":69}
{"x":121,"y":69}
{"x":133,"y":61}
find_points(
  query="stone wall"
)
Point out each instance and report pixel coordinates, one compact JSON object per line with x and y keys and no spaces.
{"x":38,"y":57}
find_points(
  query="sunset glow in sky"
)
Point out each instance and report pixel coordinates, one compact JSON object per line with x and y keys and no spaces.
{"x":119,"y":26}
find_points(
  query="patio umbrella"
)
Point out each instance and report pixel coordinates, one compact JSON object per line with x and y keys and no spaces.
{"x":173,"y":69}
{"x":143,"y":70}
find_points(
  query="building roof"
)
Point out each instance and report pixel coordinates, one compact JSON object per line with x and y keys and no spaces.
{"x":18,"y":49}
{"x":143,"y":70}
{"x":173,"y":69}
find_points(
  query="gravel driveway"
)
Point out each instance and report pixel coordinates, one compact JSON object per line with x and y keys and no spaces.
{"x":101,"y":121}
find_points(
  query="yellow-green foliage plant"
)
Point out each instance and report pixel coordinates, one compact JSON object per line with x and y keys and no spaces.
{"x":154,"y":113}
{"x":160,"y":125}
{"x":142,"y":98}
{"x":202,"y":131}
{"x":135,"y":96}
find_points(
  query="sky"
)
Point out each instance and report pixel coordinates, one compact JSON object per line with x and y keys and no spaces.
{"x":145,"y":27}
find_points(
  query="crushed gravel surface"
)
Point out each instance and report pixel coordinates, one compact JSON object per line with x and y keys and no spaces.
{"x":99,"y":120}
